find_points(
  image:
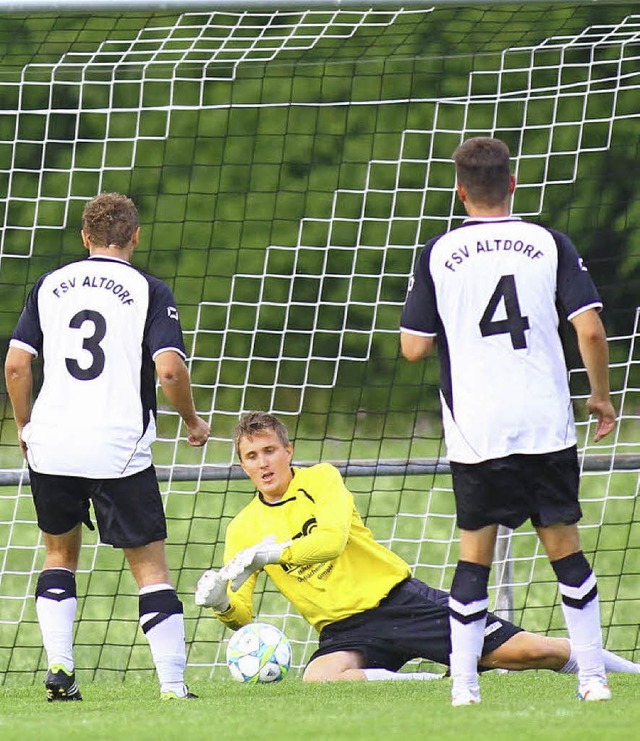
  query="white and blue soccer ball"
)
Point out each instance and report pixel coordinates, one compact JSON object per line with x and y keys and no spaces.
{"x":258,"y":653}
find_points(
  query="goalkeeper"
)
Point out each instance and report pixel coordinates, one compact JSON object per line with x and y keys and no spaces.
{"x":303,"y":529}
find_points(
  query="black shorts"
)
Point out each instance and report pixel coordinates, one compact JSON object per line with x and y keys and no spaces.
{"x":411,"y":622}
{"x":509,"y":491}
{"x":128,"y":510}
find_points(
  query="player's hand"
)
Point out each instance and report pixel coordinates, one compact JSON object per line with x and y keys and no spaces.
{"x":211,"y":591}
{"x":199,"y":433}
{"x":605,"y":414}
{"x":253,"y":559}
{"x":23,"y":444}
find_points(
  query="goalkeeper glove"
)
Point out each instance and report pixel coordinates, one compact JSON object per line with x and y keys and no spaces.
{"x":211,"y":591}
{"x":253,"y":559}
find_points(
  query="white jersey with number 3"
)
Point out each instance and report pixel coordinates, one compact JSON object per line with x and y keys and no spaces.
{"x":98,"y":324}
{"x":490,"y":291}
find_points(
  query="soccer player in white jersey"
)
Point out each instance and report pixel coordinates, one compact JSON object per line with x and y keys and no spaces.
{"x":489,"y":293}
{"x":102,"y":328}
{"x":304,"y":530}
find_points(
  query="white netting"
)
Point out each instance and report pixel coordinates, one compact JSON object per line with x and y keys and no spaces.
{"x":287,"y":167}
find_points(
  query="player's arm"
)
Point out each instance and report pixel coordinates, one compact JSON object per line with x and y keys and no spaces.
{"x":419,"y":315}
{"x":175,"y":381}
{"x":594,"y":350}
{"x":416,"y":347}
{"x":164,"y":340}
{"x":579,"y":298}
{"x":19,"y":381}
{"x":333,"y":512}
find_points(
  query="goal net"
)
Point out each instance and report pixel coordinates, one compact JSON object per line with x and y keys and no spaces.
{"x":287,"y":166}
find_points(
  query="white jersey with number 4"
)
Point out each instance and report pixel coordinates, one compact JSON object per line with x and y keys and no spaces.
{"x":490,"y":291}
{"x":98,"y":323}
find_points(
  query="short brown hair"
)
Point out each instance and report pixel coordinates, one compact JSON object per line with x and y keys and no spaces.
{"x":254,"y":423}
{"x":110,"y":219}
{"x":482,"y":168}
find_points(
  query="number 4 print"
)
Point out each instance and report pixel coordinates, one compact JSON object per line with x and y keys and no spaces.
{"x":515,"y":324}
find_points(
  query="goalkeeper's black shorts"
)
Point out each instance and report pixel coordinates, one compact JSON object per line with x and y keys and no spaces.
{"x":411,"y":622}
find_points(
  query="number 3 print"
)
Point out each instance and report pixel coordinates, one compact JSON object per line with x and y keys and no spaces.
{"x":91,"y":344}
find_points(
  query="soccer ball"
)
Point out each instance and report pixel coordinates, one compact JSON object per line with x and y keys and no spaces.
{"x":258,"y":653}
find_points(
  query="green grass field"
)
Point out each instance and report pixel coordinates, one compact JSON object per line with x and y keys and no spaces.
{"x":527,"y":706}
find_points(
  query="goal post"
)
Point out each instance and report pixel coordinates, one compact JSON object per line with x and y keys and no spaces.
{"x":288,"y":163}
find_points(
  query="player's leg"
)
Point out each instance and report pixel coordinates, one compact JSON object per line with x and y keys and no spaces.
{"x":349,"y":666}
{"x":527,"y":650}
{"x":555,"y":480}
{"x":130,"y":516}
{"x":335,"y":666}
{"x":161,"y":617}
{"x":468,"y":604}
{"x":61,"y":506}
{"x":56,"y":604}
{"x":580,"y":606}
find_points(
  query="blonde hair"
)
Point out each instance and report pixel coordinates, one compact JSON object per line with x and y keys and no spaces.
{"x":254,"y":423}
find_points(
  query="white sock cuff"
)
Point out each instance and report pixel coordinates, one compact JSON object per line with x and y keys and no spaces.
{"x":377,"y":674}
{"x":571,"y":667}
{"x":150,"y":588}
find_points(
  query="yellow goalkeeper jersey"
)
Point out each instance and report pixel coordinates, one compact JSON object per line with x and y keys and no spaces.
{"x":334,"y":567}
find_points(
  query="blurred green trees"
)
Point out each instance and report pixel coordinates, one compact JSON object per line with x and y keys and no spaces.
{"x":291,"y":189}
